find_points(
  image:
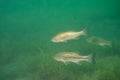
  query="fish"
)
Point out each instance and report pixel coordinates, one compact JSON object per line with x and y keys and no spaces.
{"x":67,"y":57}
{"x":70,"y":35}
{"x":99,"y":41}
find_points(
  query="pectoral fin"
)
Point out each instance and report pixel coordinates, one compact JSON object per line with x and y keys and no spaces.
{"x":66,"y":63}
{"x":78,"y":63}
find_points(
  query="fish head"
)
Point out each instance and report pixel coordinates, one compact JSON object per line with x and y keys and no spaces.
{"x":59,"y":58}
{"x":55,"y":40}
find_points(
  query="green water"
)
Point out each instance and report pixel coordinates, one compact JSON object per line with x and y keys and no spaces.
{"x":27,"y":27}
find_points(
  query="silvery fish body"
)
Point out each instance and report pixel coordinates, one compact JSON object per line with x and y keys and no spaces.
{"x":65,"y":36}
{"x":99,"y":41}
{"x":67,"y":57}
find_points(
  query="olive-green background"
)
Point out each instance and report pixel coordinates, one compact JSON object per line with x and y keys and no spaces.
{"x":27,"y":27}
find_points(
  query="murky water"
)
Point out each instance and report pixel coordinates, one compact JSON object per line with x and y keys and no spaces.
{"x":27,"y":27}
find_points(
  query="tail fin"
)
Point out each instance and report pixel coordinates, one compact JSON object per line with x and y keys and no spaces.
{"x":92,"y":58}
{"x":85,"y":31}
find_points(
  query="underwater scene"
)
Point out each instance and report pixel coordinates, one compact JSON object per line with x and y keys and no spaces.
{"x":59,"y":40}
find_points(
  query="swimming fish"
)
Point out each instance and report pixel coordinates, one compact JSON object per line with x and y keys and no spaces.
{"x":99,"y":41}
{"x":73,"y":57}
{"x":65,"y":36}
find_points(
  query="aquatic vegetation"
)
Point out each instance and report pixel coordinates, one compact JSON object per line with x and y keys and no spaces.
{"x":32,"y":65}
{"x":107,"y":71}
